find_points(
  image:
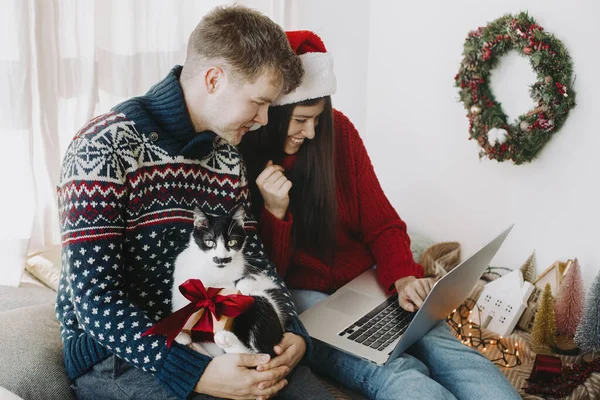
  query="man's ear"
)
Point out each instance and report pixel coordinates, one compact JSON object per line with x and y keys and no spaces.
{"x":200,"y":218}
{"x":213,"y":78}
{"x":238,"y":214}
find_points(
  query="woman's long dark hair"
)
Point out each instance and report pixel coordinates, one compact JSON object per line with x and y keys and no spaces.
{"x":313,"y":201}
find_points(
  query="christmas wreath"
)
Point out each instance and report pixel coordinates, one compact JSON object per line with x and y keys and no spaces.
{"x":553,"y":93}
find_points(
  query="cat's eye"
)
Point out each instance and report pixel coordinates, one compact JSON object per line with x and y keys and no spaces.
{"x":232,"y":242}
{"x":209,"y":243}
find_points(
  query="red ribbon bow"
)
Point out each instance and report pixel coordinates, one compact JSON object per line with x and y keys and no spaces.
{"x":200,"y":299}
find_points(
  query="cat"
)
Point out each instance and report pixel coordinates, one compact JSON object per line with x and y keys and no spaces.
{"x":215,"y":255}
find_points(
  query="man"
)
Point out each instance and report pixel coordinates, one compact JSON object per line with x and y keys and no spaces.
{"x":130,"y":180}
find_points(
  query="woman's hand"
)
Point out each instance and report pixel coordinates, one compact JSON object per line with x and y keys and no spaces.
{"x":412,"y":291}
{"x":274,"y":187}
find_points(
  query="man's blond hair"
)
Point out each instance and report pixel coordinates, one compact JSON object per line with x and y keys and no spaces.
{"x":247,"y":43}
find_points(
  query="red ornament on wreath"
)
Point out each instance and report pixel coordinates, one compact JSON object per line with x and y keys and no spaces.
{"x":552,"y":92}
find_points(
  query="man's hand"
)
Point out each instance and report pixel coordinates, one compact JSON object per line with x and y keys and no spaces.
{"x":289,"y":353}
{"x":274,"y":187}
{"x":232,"y":376}
{"x":412,"y":291}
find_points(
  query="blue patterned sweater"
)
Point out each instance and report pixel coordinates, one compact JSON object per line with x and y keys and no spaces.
{"x":129,"y":182}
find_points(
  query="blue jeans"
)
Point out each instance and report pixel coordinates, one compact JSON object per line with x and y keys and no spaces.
{"x":438,"y":366}
{"x":114,"y":379}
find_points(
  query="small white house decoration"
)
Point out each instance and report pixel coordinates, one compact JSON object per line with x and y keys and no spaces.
{"x":553,"y":275}
{"x":502,"y":302}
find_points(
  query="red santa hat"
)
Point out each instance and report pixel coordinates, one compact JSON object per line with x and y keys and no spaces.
{"x":319,"y":78}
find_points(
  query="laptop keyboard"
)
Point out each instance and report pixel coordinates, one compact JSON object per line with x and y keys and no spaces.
{"x":381,"y":326}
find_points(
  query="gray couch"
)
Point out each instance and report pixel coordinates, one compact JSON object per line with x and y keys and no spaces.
{"x":31,"y":360}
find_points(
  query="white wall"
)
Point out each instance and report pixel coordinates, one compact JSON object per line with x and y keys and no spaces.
{"x":417,"y":133}
{"x":343,"y":25}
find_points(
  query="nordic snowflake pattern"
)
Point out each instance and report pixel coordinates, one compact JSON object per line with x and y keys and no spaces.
{"x":126,"y":212}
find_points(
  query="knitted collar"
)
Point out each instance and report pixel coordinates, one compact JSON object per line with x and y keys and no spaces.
{"x":162,"y":116}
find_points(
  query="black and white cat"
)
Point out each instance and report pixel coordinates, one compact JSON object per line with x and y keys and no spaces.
{"x":215,"y":255}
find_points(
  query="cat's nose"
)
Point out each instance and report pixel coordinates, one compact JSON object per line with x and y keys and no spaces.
{"x":218,"y":260}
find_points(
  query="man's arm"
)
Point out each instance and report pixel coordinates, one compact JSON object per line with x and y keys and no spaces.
{"x":93,"y":305}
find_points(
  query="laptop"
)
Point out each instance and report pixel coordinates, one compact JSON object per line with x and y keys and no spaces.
{"x":361,"y":319}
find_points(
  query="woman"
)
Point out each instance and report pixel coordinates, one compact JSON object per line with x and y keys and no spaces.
{"x":324,"y":220}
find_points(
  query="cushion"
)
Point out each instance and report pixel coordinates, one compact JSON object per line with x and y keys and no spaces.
{"x":418,"y":244}
{"x":32,"y":359}
{"x":45,"y":265}
{"x":440,"y":258}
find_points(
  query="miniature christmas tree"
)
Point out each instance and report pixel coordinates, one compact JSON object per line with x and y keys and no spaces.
{"x":588,"y":332}
{"x":568,"y":307}
{"x":528,"y":269}
{"x":544,"y":327}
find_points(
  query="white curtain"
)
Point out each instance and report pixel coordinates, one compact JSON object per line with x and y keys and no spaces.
{"x":61,"y":63}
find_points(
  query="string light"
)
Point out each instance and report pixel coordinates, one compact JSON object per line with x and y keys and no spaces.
{"x":460,"y":319}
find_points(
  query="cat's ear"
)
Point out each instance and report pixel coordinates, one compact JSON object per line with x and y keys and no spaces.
{"x":200,"y":218}
{"x":238,"y":214}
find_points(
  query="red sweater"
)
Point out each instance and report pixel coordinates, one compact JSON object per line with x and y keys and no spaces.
{"x":369,"y":231}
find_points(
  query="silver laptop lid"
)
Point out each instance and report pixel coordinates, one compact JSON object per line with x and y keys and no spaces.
{"x":448,"y":293}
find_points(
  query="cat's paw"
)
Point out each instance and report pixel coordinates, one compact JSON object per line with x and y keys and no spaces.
{"x":225,"y":339}
{"x":184,"y":338}
{"x":229,"y":342}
